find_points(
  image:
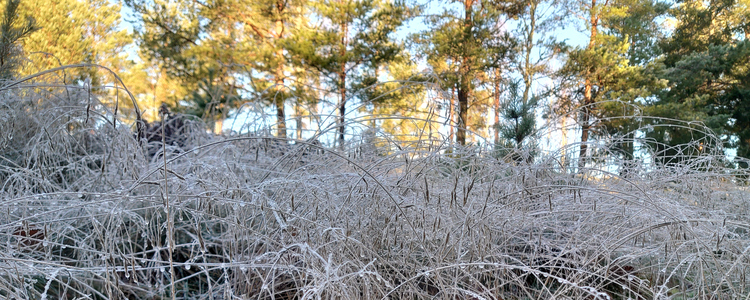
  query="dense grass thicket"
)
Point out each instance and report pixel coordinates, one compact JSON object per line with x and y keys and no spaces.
{"x":93,"y":210}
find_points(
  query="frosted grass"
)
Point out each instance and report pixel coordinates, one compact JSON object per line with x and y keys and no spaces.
{"x":87,"y":213}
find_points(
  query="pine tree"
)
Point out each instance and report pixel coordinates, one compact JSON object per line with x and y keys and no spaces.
{"x":349,"y":44}
{"x":271,"y":23}
{"x":705,"y":63}
{"x":187,"y":44}
{"x":535,"y":50}
{"x":11,"y":33}
{"x":241,"y":45}
{"x":398,"y":106}
{"x":518,"y":126}
{"x":622,"y":108}
{"x":75,"y":31}
{"x":596,"y":71}
{"x":462,"y":50}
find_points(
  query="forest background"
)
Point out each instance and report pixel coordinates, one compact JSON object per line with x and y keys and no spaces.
{"x":496,"y":73}
{"x":374,"y":149}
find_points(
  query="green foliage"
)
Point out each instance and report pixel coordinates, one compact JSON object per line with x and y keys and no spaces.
{"x":611,"y":74}
{"x":211,"y":98}
{"x":706,"y":65}
{"x":74,"y":32}
{"x":641,"y":27}
{"x":622,"y":107}
{"x":462,"y":50}
{"x":11,"y":32}
{"x":398,"y":106}
{"x":519,"y":125}
{"x":350,"y":45}
{"x":195,"y":49}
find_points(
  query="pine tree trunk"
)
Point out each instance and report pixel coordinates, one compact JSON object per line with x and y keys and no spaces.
{"x":280,"y":114}
{"x":451,"y":109}
{"x":564,"y":143}
{"x":279,"y":78}
{"x":298,"y":119}
{"x":528,"y":73}
{"x":588,"y":96}
{"x":464,"y":85}
{"x":463,"y":106}
{"x":497,"y":106}
{"x":585,"y":126}
{"x":342,"y":86}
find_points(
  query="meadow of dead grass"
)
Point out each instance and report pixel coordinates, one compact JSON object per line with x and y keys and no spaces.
{"x":88,"y":212}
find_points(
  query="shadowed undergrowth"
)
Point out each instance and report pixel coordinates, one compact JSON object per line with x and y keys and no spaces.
{"x":91,"y":210}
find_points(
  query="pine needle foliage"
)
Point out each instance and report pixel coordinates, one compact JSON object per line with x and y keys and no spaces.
{"x":12,"y":30}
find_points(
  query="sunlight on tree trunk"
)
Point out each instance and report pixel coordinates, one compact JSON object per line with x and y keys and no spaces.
{"x":280,"y":96}
{"x":466,"y":76}
{"x":497,"y":106}
{"x":588,"y":95}
{"x":451,"y":112}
